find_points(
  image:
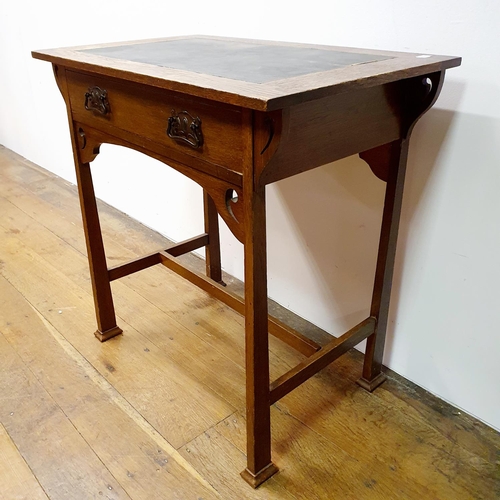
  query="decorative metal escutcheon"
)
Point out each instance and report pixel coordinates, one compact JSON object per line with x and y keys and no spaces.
{"x":185,"y":129}
{"x":96,"y":99}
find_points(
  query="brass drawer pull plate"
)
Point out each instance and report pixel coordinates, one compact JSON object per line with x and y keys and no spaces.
{"x":96,"y":99}
{"x":185,"y":129}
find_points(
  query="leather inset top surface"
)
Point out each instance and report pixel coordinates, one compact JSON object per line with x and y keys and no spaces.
{"x":256,"y":63}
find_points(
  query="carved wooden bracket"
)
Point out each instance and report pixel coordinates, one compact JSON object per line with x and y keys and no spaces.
{"x":418,"y":95}
{"x":379,"y":159}
{"x":267,"y":131}
{"x":88,"y":145}
{"x":229,"y":204}
{"x":227,"y":197}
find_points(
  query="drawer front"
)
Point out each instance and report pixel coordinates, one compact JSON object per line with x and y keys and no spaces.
{"x":200,"y":128}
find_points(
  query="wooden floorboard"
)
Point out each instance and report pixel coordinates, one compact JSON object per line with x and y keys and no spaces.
{"x":158,"y":413}
{"x":16,"y":477}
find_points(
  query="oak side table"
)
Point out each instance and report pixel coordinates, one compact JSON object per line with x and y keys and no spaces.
{"x":235,"y":115}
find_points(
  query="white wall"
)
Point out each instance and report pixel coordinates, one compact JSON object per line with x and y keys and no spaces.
{"x":323,"y":225}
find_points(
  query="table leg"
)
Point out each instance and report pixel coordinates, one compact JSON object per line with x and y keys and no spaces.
{"x":396,"y":158}
{"x":212,"y":250}
{"x":258,"y":412}
{"x":105,"y":311}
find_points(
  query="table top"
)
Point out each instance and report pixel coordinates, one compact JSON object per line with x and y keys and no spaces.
{"x":236,"y":60}
{"x":256,"y":74}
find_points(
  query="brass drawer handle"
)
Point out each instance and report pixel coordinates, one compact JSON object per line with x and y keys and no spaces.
{"x":96,"y":99}
{"x":185,"y":129}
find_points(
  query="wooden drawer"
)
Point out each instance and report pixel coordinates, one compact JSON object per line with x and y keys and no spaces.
{"x":145,"y":111}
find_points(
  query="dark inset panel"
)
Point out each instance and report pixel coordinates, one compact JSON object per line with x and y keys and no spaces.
{"x":236,"y":60}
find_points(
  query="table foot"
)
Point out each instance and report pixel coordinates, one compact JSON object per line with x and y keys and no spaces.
{"x":371,"y":385}
{"x":108,"y":334}
{"x":255,"y":480}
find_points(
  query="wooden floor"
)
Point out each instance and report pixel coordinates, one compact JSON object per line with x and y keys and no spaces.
{"x":158,"y":413}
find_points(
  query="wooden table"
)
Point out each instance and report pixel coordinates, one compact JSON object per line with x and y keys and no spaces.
{"x":235,"y":115}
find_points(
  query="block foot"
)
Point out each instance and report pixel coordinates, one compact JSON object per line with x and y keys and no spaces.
{"x":108,"y":334}
{"x":371,"y":385}
{"x":255,"y":480}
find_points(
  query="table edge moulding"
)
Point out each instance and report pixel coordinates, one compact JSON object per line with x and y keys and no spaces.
{"x":234,"y":128}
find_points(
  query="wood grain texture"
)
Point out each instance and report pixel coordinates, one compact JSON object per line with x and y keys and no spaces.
{"x":17,"y":482}
{"x":315,"y":129}
{"x":275,"y":327}
{"x":164,"y":391}
{"x":103,"y":300}
{"x":60,"y":458}
{"x":144,"y":110}
{"x":231,"y":460}
{"x":256,"y":335}
{"x":212,"y":252}
{"x":216,"y":180}
{"x":263,"y":97}
{"x":320,"y":359}
{"x":372,"y":376}
{"x":416,"y":452}
{"x":321,"y":431}
{"x":90,"y":403}
{"x":317,"y":133}
{"x":314,"y":467}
